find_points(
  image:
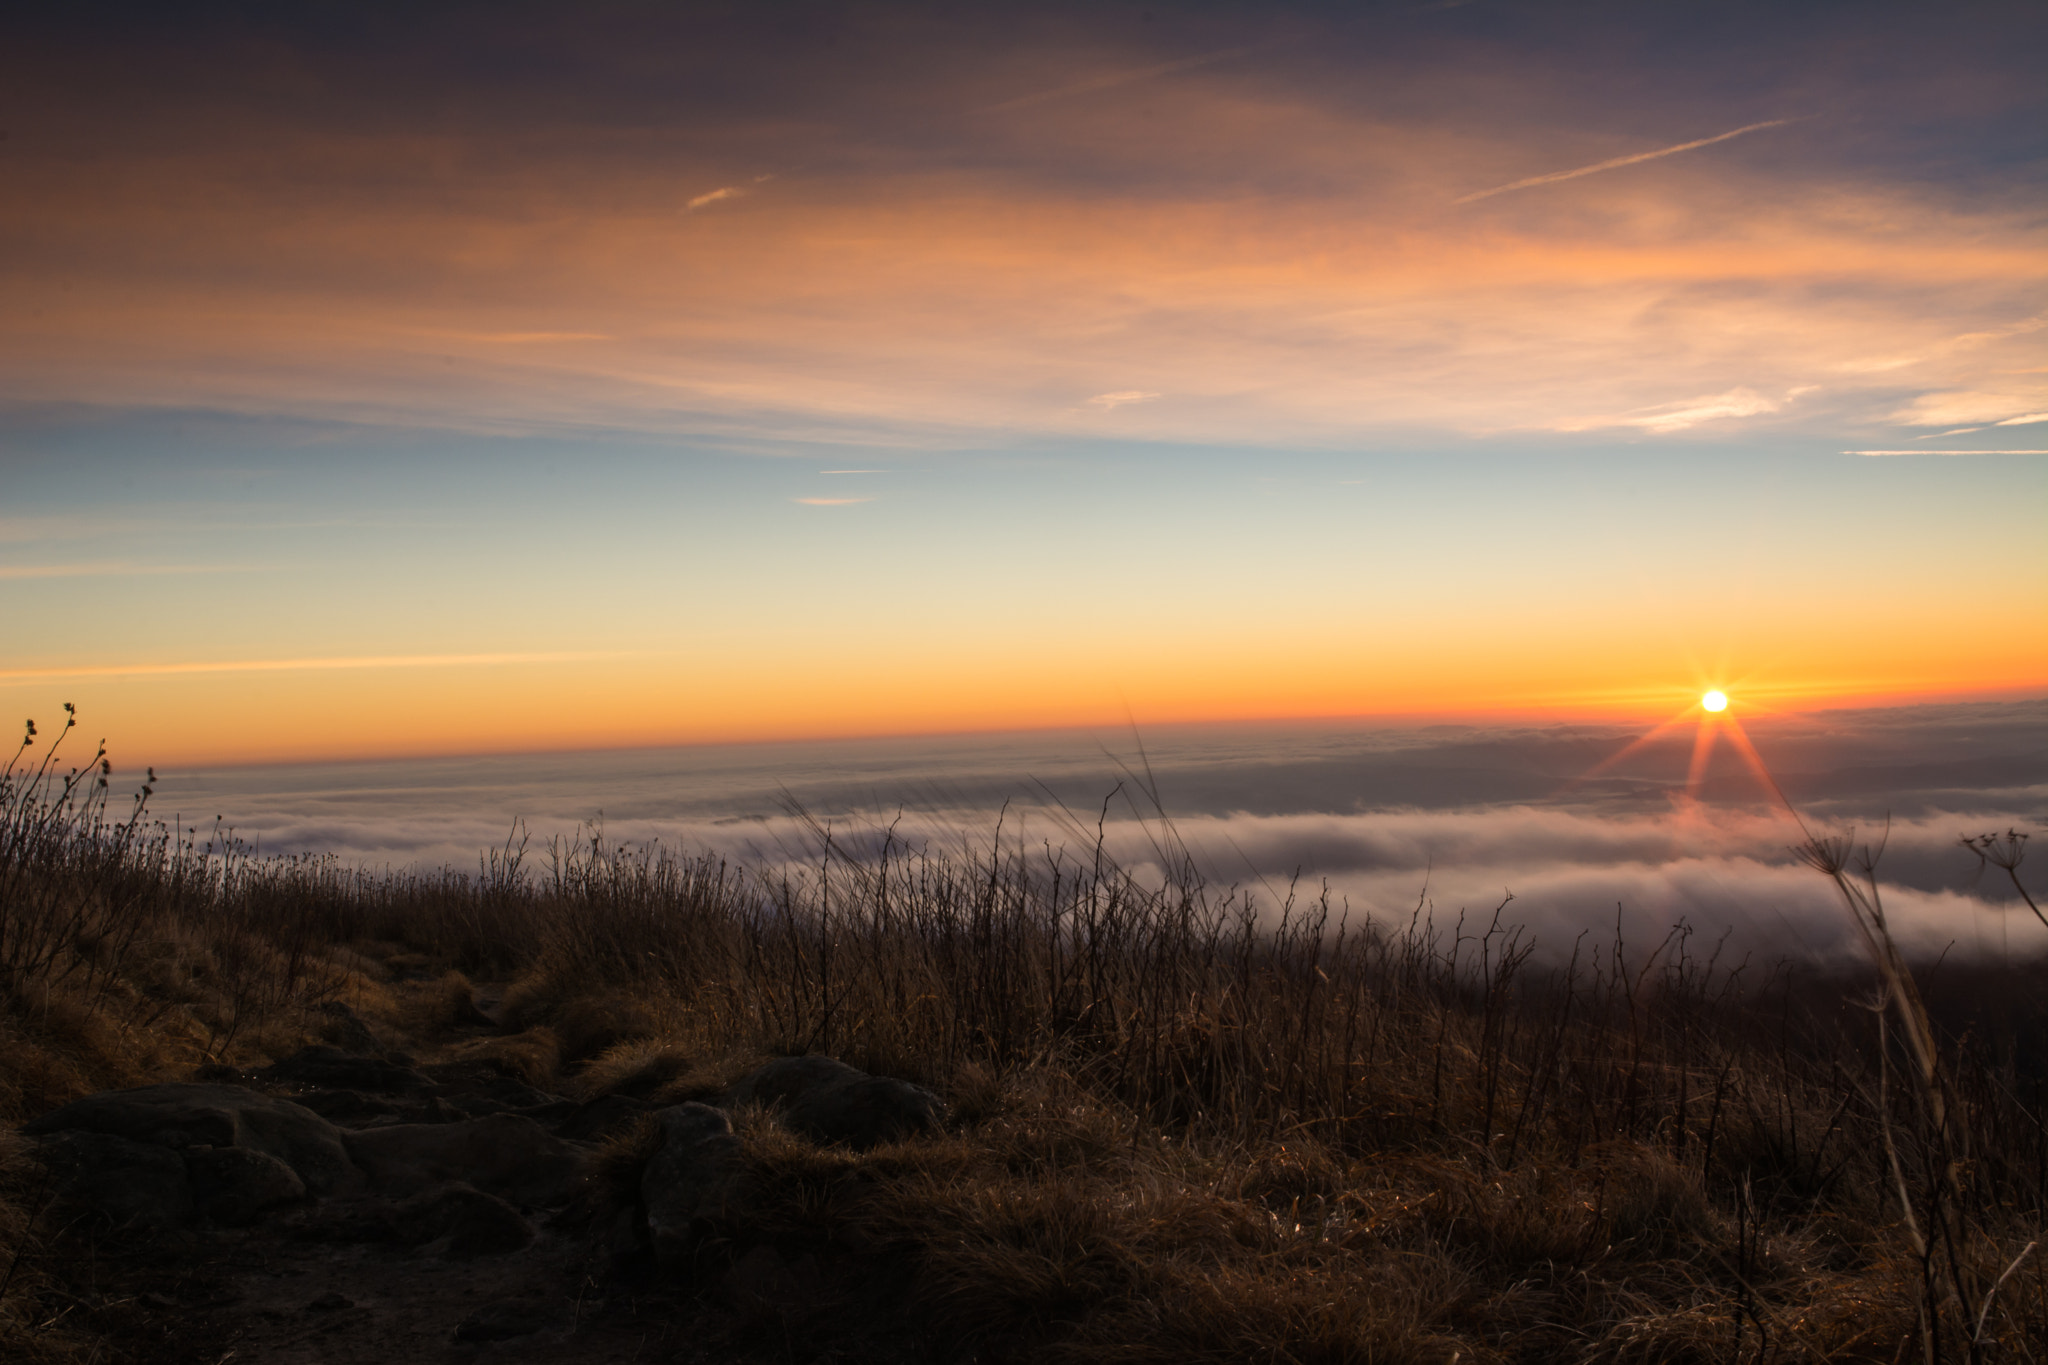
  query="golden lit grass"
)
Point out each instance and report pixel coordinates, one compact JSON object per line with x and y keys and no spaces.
{"x":1064,"y":1231}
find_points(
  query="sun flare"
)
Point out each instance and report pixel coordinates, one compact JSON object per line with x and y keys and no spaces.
{"x":1715,"y":701}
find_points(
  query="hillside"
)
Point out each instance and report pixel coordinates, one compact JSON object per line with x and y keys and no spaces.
{"x":1120,"y":1121}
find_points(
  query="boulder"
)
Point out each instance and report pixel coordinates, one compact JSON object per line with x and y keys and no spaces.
{"x":349,"y":1106}
{"x":552,"y":1114}
{"x":866,"y":1112}
{"x":181,"y":1116}
{"x":345,"y":1028}
{"x":602,"y":1117}
{"x":504,"y":1153}
{"x":236,"y":1185}
{"x":833,"y":1102}
{"x":695,"y":1177}
{"x":788,"y":1078}
{"x":506,"y":1092}
{"x":130,"y":1184}
{"x":329,"y":1068}
{"x":467,"y":1221}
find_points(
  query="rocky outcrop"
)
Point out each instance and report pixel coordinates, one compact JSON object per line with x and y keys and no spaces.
{"x":345,"y":1028}
{"x":788,"y":1079}
{"x":604,"y":1117}
{"x":179,"y":1117}
{"x":236,"y":1185}
{"x":461,"y":1221}
{"x":329,"y":1068}
{"x":693,"y":1179}
{"x":130,"y":1184}
{"x":506,"y":1154}
{"x":829,"y":1101}
{"x":454,"y":1161}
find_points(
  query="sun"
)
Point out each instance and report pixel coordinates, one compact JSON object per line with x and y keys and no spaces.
{"x":1715,"y":701}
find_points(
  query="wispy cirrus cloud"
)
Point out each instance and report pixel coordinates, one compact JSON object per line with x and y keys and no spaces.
{"x":725,"y":192}
{"x":1974,"y":408}
{"x":1121,"y":398}
{"x":1740,"y":402}
{"x":1616,"y":163}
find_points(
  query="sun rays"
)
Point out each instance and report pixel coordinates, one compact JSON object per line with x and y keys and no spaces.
{"x":1714,"y":715}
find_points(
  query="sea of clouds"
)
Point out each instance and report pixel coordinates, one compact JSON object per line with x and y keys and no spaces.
{"x":1388,"y":821}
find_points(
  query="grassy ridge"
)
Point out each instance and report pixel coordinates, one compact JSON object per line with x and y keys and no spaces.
{"x":1186,"y":1125}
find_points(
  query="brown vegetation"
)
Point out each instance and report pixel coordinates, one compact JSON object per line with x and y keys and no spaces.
{"x":1184,"y":1127}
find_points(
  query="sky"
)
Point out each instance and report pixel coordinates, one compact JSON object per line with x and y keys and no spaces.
{"x":382,"y":381}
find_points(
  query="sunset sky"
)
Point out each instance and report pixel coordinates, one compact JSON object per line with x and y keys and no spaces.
{"x":509,"y":377}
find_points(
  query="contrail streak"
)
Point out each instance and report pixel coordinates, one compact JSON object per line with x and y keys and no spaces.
{"x":1621,"y":161}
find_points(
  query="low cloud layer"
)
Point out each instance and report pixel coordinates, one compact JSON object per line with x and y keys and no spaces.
{"x":1448,"y":821}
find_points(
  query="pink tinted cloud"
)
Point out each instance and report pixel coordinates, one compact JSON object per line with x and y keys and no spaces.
{"x":555,"y":284}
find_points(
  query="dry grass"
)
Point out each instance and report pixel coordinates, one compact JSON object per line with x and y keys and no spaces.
{"x":1184,"y":1126}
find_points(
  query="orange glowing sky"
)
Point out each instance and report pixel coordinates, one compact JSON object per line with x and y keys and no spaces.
{"x":382,"y":384}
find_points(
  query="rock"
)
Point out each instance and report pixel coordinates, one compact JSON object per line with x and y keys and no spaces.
{"x":179,"y":1116}
{"x":867,"y":1112}
{"x":505,"y":1095}
{"x":618,"y":1240}
{"x":131,"y":1184}
{"x":332,"y":1069}
{"x":509,"y":1318}
{"x":472,"y":1223}
{"x":235,"y":1185}
{"x":352,"y":1224}
{"x":602,"y":1117}
{"x":695,"y":1177}
{"x":833,"y":1102}
{"x":437,"y":1110}
{"x":345,"y":1028}
{"x":503,"y":1153}
{"x":469,"y":1013}
{"x":514,"y":1093}
{"x":344,"y":1106}
{"x":330,"y":1302}
{"x":552,"y":1114}
{"x":788,"y":1078}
